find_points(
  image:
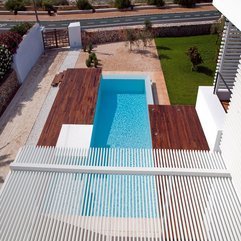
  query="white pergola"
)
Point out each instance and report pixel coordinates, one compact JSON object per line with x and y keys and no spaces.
{"x":118,"y":194}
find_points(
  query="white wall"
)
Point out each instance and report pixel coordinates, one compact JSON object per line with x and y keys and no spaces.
{"x":211,"y":115}
{"x":28,"y":52}
{"x":230,"y":9}
{"x":231,"y":139}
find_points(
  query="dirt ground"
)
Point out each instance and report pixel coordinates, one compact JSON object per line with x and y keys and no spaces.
{"x":117,"y":57}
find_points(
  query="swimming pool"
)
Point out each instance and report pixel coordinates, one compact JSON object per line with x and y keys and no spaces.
{"x":121,"y":117}
{"x":121,"y":121}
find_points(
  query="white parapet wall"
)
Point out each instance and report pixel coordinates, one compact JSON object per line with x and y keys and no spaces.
{"x":28,"y":52}
{"x":211,"y":115}
{"x":74,"y":35}
{"x":230,"y":9}
{"x":75,"y":136}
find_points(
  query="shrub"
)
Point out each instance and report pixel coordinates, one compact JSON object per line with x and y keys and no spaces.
{"x":147,"y":25}
{"x":84,"y":5}
{"x":92,"y":56}
{"x":60,"y":2}
{"x":90,"y":47}
{"x":122,"y":4}
{"x":21,"y":28}
{"x":5,"y":61}
{"x":48,"y":6}
{"x":195,"y":57}
{"x":88,"y":62}
{"x":158,"y":3}
{"x":96,"y":62}
{"x":92,"y":59}
{"x":186,"y":3}
{"x":15,"y":5}
{"x":11,"y":40}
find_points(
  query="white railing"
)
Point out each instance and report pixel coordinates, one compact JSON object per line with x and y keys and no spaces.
{"x":120,"y":157}
{"x":184,"y":195}
{"x":231,"y":138}
{"x":228,"y":60}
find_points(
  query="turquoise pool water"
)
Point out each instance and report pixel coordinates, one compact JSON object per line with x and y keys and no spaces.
{"x":121,"y":121}
{"x":121,"y":117}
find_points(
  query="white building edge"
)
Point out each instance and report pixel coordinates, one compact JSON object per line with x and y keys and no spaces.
{"x":222,"y":129}
{"x":117,"y":194}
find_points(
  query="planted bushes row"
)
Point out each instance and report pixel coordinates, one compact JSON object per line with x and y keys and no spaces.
{"x":9,"y":42}
{"x":6,"y":58}
{"x":48,"y":5}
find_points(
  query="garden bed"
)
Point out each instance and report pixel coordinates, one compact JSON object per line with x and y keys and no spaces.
{"x":8,"y":87}
{"x":182,"y":83}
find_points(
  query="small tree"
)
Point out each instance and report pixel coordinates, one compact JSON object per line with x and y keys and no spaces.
{"x":195,"y":57}
{"x":11,"y":40}
{"x":15,"y":6}
{"x":84,"y":5}
{"x":5,"y":61}
{"x":131,"y":37}
{"x":158,"y":3}
{"x":122,"y":4}
{"x":147,"y":25}
{"x":146,"y":38}
{"x":186,"y":3}
{"x":49,"y":7}
{"x":146,"y":35}
{"x":21,"y":28}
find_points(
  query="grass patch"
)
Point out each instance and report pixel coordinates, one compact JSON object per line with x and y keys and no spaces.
{"x":182,"y":83}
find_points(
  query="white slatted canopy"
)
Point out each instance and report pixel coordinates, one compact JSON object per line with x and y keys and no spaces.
{"x":65,"y":205}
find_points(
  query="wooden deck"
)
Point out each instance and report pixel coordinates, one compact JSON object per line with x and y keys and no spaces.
{"x":225,"y":104}
{"x":74,"y":104}
{"x":176,"y":127}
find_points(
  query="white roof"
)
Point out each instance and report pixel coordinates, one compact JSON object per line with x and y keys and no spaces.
{"x":230,"y":9}
{"x":186,"y":195}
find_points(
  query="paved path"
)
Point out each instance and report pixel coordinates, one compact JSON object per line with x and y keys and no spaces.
{"x":18,"y":119}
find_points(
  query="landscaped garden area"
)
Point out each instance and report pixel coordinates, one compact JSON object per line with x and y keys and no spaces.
{"x":182,"y":82}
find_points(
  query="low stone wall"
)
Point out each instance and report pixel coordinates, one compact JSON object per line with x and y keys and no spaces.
{"x":101,"y":36}
{"x":8,"y":88}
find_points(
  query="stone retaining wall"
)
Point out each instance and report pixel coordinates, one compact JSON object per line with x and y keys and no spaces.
{"x":101,"y":36}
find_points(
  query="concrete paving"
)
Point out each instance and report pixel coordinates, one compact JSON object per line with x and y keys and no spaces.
{"x":69,"y":62}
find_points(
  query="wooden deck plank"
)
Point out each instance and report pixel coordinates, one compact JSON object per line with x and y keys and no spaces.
{"x":176,"y":127}
{"x":74,"y":104}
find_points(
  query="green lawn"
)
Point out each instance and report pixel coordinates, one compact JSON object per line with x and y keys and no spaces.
{"x":182,"y":82}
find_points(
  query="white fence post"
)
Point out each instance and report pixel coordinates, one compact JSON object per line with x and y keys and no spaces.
{"x":74,"y":30}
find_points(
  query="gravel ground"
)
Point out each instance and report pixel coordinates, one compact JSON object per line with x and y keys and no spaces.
{"x":18,"y":119}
